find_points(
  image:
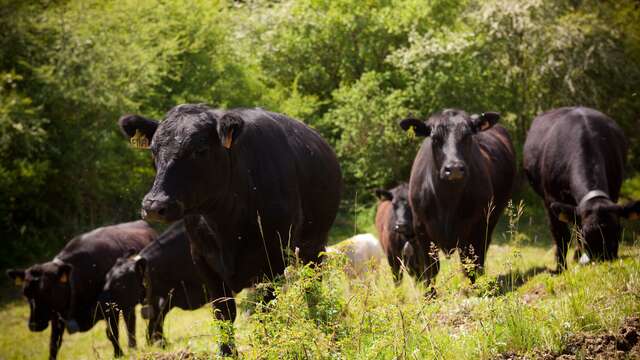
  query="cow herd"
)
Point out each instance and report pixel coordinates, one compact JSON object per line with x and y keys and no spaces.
{"x":248,"y":189}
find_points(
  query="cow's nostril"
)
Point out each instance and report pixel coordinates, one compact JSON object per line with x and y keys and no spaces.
{"x":161,"y":211}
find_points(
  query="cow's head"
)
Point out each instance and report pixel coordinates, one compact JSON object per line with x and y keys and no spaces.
{"x":190,"y":151}
{"x":401,"y":220}
{"x":451,"y":133}
{"x":124,"y":283}
{"x":599,"y":221}
{"x":46,"y":288}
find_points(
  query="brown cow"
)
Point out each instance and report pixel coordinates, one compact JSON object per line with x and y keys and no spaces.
{"x":394,"y":222}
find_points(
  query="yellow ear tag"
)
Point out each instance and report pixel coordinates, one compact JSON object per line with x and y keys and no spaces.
{"x":228,"y":139}
{"x":634,"y":216}
{"x":139,"y":141}
{"x":563,"y":217}
{"x":18,"y":281}
{"x":411,"y":132}
{"x":64,"y":278}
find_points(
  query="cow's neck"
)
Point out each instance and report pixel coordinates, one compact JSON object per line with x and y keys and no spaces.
{"x":587,"y":173}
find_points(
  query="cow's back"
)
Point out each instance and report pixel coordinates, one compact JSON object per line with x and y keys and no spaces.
{"x":317,"y":172}
{"x":499,"y":157}
{"x":294,"y":178}
{"x":92,"y":254}
{"x":571,"y":142}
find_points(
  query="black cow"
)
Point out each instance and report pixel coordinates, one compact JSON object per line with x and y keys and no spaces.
{"x":65,"y":291}
{"x":162,"y":276}
{"x":574,"y":158}
{"x":461,"y":180}
{"x":263,"y":183}
{"x":394,"y":222}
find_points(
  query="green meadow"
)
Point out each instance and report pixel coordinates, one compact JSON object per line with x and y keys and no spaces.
{"x":519,"y":307}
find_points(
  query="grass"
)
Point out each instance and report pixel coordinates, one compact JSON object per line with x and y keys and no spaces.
{"x":518,"y":306}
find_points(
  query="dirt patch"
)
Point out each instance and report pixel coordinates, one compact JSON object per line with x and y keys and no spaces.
{"x":178,"y":355}
{"x":624,"y":344}
{"x":536,"y":293}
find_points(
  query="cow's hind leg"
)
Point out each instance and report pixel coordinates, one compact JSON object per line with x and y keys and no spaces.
{"x":223,"y":302}
{"x":113,"y":318}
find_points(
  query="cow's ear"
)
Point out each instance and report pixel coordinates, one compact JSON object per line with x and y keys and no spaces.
{"x":484,"y":121}
{"x":138,"y":129}
{"x":419,"y":127}
{"x":631,"y":210}
{"x":17,"y":275}
{"x":229,"y":129}
{"x":64,"y":273}
{"x":564,"y":212}
{"x":384,"y":195}
{"x":141,"y":266}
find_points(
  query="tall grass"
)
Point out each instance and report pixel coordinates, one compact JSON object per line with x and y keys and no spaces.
{"x":517,"y":306}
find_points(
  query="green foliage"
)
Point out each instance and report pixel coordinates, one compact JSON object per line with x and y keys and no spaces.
{"x":371,"y":147}
{"x":321,"y":313}
{"x":351,"y":69}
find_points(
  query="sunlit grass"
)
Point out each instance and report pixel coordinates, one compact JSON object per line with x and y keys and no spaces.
{"x":517,"y":306}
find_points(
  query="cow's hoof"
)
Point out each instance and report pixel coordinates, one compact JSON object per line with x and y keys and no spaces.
{"x":227,"y":350}
{"x":72,"y":326}
{"x":431,"y":293}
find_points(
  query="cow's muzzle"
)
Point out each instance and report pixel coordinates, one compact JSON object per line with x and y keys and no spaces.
{"x":454,"y":171}
{"x":158,"y":210}
{"x":403,"y":228}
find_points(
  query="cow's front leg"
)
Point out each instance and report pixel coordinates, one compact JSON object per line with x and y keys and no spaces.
{"x":130,"y":322}
{"x":562,"y":238}
{"x":472,"y":258}
{"x":57,"y":330}
{"x":224,"y":309}
{"x":112,"y":319}
{"x":431,"y":269}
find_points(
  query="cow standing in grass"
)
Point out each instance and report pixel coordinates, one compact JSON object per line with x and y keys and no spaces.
{"x":64,"y":291}
{"x":574,"y":158}
{"x":162,"y":276}
{"x":461,"y":180}
{"x":262,"y":182}
{"x":394,"y":222}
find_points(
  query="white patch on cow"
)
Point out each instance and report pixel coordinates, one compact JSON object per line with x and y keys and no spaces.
{"x":584,"y":259}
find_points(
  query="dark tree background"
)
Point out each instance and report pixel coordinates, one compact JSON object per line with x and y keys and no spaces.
{"x":350,"y":68}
